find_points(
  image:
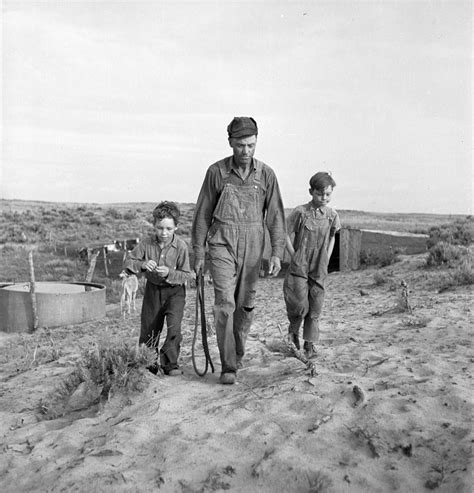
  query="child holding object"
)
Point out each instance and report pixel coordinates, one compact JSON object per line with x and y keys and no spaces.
{"x":164,"y":259}
{"x":314,"y":226}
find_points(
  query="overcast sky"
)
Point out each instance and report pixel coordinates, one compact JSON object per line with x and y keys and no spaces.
{"x":127,"y":101}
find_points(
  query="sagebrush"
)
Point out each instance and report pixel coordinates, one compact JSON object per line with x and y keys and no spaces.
{"x":111,"y":367}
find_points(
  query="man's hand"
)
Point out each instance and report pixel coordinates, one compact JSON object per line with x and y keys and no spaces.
{"x":198,"y":265}
{"x":162,"y":270}
{"x":275,"y":266}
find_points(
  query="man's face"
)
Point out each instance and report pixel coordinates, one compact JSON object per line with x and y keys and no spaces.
{"x":244,"y":149}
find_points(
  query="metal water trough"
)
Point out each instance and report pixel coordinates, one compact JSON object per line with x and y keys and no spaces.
{"x":57,"y":304}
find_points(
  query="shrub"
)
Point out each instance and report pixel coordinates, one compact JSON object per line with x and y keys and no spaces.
{"x":460,"y":232}
{"x":444,"y":253}
{"x":114,"y":213}
{"x":110,"y":368}
{"x":381,"y":258}
{"x":462,"y":275}
{"x":130,"y":215}
{"x":381,"y":277}
{"x":115,"y":366}
{"x":95,"y":221}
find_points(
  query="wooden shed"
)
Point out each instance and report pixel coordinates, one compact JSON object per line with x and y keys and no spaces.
{"x":353,"y":244}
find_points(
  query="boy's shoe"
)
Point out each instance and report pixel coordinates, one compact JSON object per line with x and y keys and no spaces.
{"x":154,"y":368}
{"x":239,"y":365}
{"x":175,"y":372}
{"x":293,"y":338}
{"x":227,"y":378}
{"x":309,"y":349}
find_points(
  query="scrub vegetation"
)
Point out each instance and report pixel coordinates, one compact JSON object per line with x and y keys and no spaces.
{"x":78,"y":402}
{"x":58,"y":231}
{"x":112,"y":366}
{"x":451,"y":253}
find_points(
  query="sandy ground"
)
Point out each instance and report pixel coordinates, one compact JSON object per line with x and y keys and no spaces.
{"x":282,"y":427}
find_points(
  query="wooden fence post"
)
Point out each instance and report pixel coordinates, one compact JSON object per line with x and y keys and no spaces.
{"x":104,"y":251}
{"x":124,"y":250}
{"x":90,"y":271}
{"x":33,"y":290}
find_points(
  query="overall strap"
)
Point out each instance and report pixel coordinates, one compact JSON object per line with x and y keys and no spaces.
{"x":299,"y":230}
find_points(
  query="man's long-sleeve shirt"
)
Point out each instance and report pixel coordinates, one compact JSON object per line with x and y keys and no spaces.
{"x":272,"y":204}
{"x":175,"y":256}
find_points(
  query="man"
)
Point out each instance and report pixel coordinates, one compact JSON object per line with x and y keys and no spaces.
{"x":239,"y":195}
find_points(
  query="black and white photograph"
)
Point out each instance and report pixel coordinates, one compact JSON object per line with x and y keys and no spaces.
{"x":236,"y":246}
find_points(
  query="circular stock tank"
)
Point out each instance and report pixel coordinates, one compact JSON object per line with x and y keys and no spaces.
{"x":56,"y":304}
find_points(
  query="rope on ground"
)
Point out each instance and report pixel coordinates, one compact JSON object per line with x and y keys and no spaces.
{"x":200,"y":315}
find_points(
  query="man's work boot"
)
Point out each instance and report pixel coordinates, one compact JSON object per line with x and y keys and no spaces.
{"x":309,"y":349}
{"x":227,"y":378}
{"x":155,"y":368}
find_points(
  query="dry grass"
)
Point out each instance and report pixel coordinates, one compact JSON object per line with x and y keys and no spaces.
{"x":382,"y":277}
{"x":379,"y":258}
{"x":458,"y":232}
{"x":451,"y":253}
{"x":447,"y":254}
{"x":29,"y":351}
{"x":111,"y":367}
{"x":409,"y":223}
{"x":461,"y":275}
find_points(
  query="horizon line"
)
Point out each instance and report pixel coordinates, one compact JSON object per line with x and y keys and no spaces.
{"x":74,"y":203}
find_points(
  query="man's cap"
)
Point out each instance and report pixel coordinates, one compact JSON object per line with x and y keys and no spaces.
{"x":242,"y":126}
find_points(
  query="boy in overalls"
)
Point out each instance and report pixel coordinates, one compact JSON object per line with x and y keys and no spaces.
{"x":239,"y":195}
{"x":314,"y":226}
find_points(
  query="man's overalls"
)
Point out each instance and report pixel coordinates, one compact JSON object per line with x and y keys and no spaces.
{"x":303,"y":287}
{"x":235,"y":241}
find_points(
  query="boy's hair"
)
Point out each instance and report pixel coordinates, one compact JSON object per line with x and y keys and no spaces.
{"x":166,"y":209}
{"x":321,"y":180}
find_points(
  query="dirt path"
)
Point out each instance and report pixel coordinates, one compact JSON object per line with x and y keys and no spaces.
{"x":280,"y":428}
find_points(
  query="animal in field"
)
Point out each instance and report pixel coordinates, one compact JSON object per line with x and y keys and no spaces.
{"x":129,"y":292}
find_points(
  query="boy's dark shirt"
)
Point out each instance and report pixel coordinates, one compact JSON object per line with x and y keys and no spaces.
{"x":175,"y":256}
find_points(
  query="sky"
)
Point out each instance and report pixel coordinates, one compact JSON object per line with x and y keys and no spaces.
{"x":120,"y":101}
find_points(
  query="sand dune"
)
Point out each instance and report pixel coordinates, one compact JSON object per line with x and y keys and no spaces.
{"x":282,"y":427}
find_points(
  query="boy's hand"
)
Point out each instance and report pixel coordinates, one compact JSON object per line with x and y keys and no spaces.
{"x":162,"y":270}
{"x":275,"y":266}
{"x":149,"y":265}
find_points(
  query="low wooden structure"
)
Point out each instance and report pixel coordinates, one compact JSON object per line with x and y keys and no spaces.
{"x":353,"y":244}
{"x":356,"y":243}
